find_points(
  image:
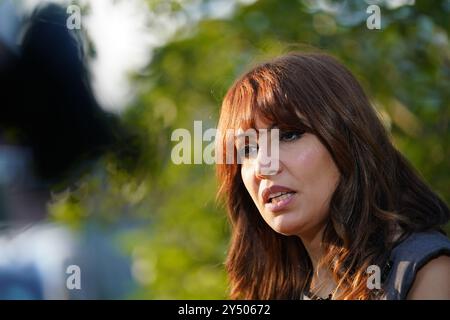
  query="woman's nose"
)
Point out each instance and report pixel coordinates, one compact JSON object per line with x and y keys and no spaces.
{"x":265,"y":164}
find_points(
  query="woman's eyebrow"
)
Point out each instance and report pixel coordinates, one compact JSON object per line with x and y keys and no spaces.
{"x":245,"y":133}
{"x":272,"y":126}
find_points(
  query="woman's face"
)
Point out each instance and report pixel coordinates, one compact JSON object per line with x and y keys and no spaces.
{"x":294,"y":200}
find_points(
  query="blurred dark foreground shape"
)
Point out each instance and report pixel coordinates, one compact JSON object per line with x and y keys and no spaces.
{"x":51,"y":132}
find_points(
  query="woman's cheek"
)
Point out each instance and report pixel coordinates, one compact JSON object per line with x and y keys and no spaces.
{"x":305,"y":159}
{"x":249,"y":181}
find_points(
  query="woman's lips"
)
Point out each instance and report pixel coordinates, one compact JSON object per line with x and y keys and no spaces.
{"x":276,"y":206}
{"x":276,"y":197}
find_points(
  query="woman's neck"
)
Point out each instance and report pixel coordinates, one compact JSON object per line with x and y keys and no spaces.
{"x":313,"y":245}
{"x":322,"y":282}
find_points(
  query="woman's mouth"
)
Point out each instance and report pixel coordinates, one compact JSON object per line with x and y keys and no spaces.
{"x":276,"y":198}
{"x":280,"y":202}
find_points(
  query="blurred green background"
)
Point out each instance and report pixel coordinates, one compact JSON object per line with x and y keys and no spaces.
{"x":179,"y":235}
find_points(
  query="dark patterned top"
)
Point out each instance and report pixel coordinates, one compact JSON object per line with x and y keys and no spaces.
{"x":408,"y":257}
{"x":405,"y":260}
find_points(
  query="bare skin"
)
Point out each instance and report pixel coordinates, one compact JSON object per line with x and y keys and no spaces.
{"x":432,"y":281}
{"x":307,"y":169}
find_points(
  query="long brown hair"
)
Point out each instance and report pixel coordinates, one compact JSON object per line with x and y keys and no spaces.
{"x":377,"y":191}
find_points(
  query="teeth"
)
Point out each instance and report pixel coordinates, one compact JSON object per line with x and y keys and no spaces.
{"x":275,"y":195}
{"x":279,"y":196}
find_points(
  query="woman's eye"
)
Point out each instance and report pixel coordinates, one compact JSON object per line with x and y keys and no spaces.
{"x":248,"y":151}
{"x":290,"y":136}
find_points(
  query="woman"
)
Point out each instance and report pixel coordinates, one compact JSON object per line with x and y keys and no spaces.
{"x":343,"y":209}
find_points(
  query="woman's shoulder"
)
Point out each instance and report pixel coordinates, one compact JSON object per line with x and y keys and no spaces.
{"x":432,"y":281}
{"x":408,"y":256}
{"x":417,"y":244}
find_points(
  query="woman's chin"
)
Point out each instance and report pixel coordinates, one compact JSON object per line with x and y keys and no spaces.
{"x":287,"y":226}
